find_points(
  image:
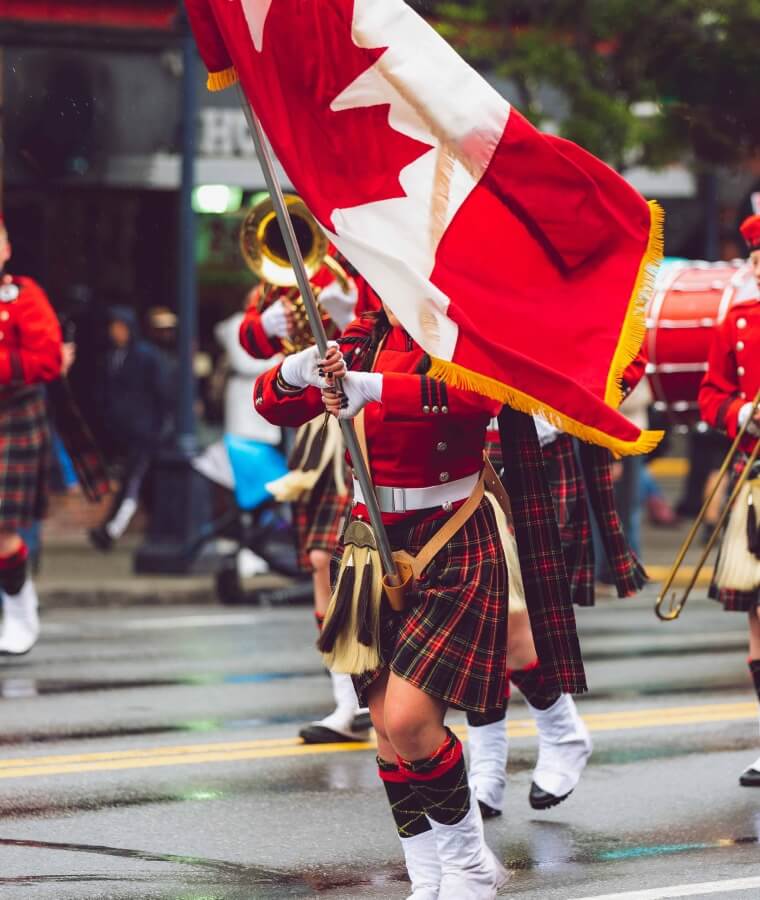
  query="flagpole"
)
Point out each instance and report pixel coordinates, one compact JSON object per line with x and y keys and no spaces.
{"x":318,"y":330}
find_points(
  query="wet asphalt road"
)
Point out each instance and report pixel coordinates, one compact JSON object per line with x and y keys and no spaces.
{"x":150,"y":754}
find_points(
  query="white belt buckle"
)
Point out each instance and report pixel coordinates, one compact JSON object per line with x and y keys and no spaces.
{"x":398,"y":500}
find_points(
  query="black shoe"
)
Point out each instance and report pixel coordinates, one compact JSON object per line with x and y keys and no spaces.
{"x":100,"y":539}
{"x":320,"y":734}
{"x":540,"y":799}
{"x":750,"y":778}
{"x":362,"y":722}
{"x":488,"y":812}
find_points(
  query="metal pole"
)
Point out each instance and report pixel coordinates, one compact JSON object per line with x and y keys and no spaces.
{"x":187,"y":297}
{"x":315,"y":321}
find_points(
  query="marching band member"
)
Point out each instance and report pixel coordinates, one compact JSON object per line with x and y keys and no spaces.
{"x":30,"y":355}
{"x":564,"y":742}
{"x":317,"y":485}
{"x":445,"y":645}
{"x":725,"y":402}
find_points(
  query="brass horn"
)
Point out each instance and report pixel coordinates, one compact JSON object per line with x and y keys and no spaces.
{"x":265,"y":255}
{"x":670,"y":608}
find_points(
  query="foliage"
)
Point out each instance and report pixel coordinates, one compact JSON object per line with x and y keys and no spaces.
{"x":691,"y":64}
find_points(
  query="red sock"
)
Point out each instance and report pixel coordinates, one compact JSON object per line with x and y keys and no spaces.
{"x":17,"y":558}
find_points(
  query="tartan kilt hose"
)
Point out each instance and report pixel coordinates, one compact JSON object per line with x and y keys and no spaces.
{"x":318,"y":520}
{"x":451,"y":641}
{"x":24,"y":458}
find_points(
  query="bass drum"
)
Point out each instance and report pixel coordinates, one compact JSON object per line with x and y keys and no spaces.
{"x":690,"y":299}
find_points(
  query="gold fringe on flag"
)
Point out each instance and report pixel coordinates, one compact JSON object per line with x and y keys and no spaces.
{"x":459,"y":377}
{"x":634,"y":325}
{"x":631,"y":338}
{"x":220,"y":81}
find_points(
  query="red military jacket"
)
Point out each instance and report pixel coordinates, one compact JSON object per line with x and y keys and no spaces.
{"x":733,"y":368}
{"x":422,"y":433}
{"x":256,"y":342}
{"x":30,"y":336}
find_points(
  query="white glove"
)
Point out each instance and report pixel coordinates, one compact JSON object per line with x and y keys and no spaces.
{"x":339,"y":305}
{"x":359,"y":389}
{"x":744,"y":414}
{"x":274,"y":320}
{"x":300,"y":369}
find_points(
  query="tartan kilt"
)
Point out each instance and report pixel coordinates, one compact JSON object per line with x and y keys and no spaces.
{"x":734,"y":601}
{"x":318,"y":520}
{"x":451,"y":641}
{"x":24,"y":458}
{"x":571,"y":507}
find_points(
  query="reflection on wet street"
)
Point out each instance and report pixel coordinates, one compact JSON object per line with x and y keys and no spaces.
{"x":147,"y":755}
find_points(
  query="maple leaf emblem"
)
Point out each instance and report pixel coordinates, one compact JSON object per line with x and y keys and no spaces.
{"x":337,"y":159}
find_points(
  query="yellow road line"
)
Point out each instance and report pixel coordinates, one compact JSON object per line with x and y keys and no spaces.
{"x":276,"y":748}
{"x":660,"y":573}
{"x":669,"y":467}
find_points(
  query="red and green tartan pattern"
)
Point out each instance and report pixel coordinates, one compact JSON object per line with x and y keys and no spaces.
{"x":24,"y":458}
{"x":451,"y":642}
{"x":318,"y":520}
{"x":574,"y":503}
{"x":573,"y":517}
{"x":628,"y":574}
{"x":542,"y":562}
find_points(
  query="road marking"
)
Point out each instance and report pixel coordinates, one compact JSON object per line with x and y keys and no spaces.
{"x":669,"y":467}
{"x":684,"y":576}
{"x":683,"y":890}
{"x":277,"y":748}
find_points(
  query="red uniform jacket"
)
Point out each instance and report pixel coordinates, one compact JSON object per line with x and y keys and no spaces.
{"x":30,"y":336}
{"x":422,"y":433}
{"x":733,"y":369}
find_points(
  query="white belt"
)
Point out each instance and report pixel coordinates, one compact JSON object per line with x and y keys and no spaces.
{"x":400,"y":500}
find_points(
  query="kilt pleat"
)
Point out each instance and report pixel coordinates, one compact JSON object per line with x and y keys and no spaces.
{"x":451,"y":641}
{"x":570,"y":503}
{"x":24,"y":458}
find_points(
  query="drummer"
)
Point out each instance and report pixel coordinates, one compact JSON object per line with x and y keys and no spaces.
{"x":725,"y":402}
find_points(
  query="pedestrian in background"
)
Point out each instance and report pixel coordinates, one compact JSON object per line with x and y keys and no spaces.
{"x":133,"y":402}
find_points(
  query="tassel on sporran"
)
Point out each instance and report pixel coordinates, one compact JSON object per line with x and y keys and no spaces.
{"x":349,"y":642}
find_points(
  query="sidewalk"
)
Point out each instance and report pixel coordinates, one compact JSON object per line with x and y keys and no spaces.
{"x":74,"y":574}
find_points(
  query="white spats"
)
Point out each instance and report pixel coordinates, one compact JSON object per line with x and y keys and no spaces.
{"x":423,"y":865}
{"x":489,"y":749}
{"x":21,"y":623}
{"x":120,"y":522}
{"x":469,"y":869}
{"x":563,"y":749}
{"x":339,"y":725}
{"x":256,"y":12}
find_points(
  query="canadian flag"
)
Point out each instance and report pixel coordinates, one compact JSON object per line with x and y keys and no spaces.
{"x":517,"y":260}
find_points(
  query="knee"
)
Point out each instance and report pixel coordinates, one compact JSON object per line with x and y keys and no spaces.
{"x":409,"y":733}
{"x":319,"y":561}
{"x":9,"y":543}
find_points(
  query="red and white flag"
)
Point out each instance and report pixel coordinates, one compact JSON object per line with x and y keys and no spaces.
{"x":518,"y":261}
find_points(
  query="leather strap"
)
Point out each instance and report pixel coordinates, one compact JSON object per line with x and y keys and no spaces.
{"x":445,"y":533}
